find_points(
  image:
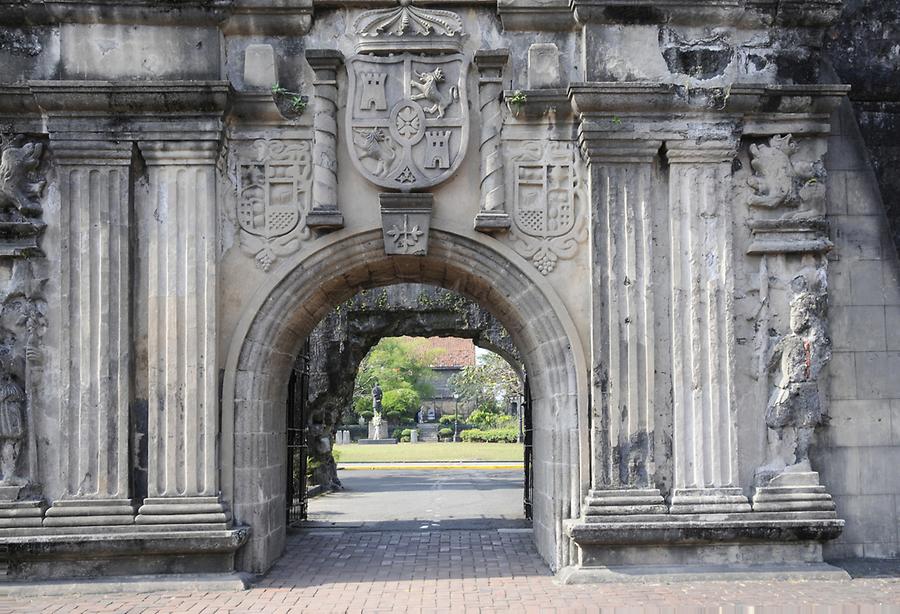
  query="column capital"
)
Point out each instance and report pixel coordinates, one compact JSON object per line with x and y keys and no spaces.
{"x":179,"y":153}
{"x":80,"y":152}
{"x":598,"y":150}
{"x":701,"y":152}
{"x":491,"y":59}
{"x":324,"y":59}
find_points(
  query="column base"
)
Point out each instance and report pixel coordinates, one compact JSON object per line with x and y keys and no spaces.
{"x":185,"y":513}
{"x":603,"y":503}
{"x":76,"y":513}
{"x":709,"y":501}
{"x":793,"y":492}
{"x":492,"y":222}
{"x":693,"y":546}
{"x":19,"y":516}
{"x":325,"y":220}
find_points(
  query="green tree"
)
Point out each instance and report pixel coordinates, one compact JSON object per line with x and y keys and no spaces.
{"x":489,"y":386}
{"x":401,"y":404}
{"x":396,"y":363}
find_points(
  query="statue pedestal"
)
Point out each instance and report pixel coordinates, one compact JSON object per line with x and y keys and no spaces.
{"x":798,"y":491}
{"x":378,"y":430}
{"x":20,"y":507}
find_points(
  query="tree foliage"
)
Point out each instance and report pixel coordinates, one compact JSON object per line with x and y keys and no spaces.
{"x":397,"y":364}
{"x":488,"y":387}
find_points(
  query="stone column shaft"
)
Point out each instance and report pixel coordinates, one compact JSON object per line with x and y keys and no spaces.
{"x":95,"y":336}
{"x":703,"y":344}
{"x":623,"y":337}
{"x":492,"y":215}
{"x":325,"y":212}
{"x":182,"y":412}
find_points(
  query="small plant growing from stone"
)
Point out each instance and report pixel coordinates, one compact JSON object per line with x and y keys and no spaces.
{"x":295,"y":100}
{"x":516,"y":101}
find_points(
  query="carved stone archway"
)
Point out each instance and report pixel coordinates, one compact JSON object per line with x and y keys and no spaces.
{"x":304,"y":290}
{"x":340,"y":342}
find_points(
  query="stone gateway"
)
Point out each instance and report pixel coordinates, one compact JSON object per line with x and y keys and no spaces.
{"x":667,"y":207}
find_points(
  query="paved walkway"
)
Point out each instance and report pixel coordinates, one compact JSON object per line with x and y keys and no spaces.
{"x":327,"y":570}
{"x":421,"y":499}
{"x":456,"y":543}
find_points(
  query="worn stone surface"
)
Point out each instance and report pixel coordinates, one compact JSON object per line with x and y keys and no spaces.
{"x":638,"y":223}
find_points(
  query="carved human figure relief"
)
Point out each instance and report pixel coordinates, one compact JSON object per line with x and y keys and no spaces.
{"x":794,"y":409}
{"x":548,"y":202}
{"x":12,"y":424}
{"x":782,"y":180}
{"x":273,"y":198}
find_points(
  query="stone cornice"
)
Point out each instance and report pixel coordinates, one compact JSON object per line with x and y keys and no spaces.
{"x":805,"y":13}
{"x":698,"y":151}
{"x":245,"y":17}
{"x":80,"y":98}
{"x":762,"y":109}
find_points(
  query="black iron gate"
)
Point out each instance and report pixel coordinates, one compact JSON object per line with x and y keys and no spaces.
{"x":528,"y":429}
{"x":298,"y":386}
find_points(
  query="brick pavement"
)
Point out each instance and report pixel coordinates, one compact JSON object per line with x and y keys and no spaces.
{"x":464,"y":571}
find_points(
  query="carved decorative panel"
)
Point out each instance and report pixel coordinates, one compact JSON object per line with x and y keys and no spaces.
{"x":273,"y":198}
{"x":548,"y":202}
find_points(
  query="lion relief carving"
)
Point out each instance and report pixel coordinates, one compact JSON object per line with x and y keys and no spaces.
{"x":20,"y":190}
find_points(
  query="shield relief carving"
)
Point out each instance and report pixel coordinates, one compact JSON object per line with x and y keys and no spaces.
{"x":407,"y":114}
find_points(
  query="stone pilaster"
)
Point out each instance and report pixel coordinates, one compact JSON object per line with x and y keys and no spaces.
{"x":492,"y":215}
{"x":182,"y":425}
{"x":325,"y":212}
{"x":622,"y":328}
{"x":703,"y":343}
{"x":95,"y":336}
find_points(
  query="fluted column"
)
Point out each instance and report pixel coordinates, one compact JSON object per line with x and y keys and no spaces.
{"x":622,"y":328}
{"x":180,"y":229}
{"x":492,"y":215}
{"x":703,"y":343}
{"x":95,"y":333}
{"x":325,"y":212}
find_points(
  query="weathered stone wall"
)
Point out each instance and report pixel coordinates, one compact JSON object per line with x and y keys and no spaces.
{"x":860,"y":448}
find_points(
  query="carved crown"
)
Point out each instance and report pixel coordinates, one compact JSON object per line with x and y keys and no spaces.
{"x":408,"y":28}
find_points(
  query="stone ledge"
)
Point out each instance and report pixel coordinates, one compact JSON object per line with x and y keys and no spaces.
{"x":702,"y":573}
{"x":684,"y":530}
{"x":213,"y":582}
{"x":37,"y":555}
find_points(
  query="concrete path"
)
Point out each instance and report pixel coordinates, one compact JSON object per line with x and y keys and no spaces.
{"x":423,"y":499}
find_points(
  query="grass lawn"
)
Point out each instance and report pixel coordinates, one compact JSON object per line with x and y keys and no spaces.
{"x":430,"y":451}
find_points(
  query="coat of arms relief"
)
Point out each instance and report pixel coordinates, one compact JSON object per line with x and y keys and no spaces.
{"x":548,"y":202}
{"x":407,"y":121}
{"x":273,"y":198}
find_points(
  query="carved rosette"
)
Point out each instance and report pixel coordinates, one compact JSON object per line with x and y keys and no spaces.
{"x":273,"y":198}
{"x":548,"y":218}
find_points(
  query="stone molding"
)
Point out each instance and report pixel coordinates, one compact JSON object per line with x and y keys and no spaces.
{"x":233,"y":17}
{"x":809,"y":13}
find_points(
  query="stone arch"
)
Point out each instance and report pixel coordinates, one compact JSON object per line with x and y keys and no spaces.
{"x":302,"y":291}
